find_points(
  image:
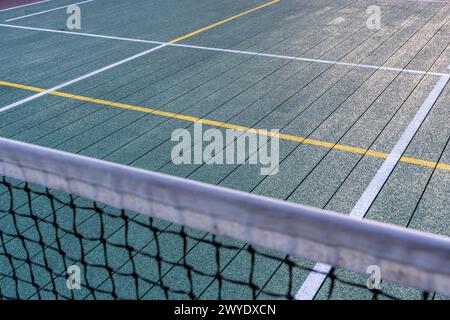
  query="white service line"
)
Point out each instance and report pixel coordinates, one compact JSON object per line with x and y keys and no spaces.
{"x":24,"y":5}
{"x":68,"y":83}
{"x":45,"y":11}
{"x":315,"y":279}
{"x":268,"y":55}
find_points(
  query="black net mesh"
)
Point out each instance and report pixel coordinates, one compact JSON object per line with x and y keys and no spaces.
{"x":50,"y":239}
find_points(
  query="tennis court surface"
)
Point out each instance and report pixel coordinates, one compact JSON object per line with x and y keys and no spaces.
{"x":355,"y":200}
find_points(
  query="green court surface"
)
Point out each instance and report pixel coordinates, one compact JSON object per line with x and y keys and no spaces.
{"x":311,"y":69}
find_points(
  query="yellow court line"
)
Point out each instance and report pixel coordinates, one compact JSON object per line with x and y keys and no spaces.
{"x":282,"y":136}
{"x":223,"y":21}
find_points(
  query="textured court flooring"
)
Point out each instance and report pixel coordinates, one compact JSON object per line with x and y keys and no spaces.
{"x":351,"y":93}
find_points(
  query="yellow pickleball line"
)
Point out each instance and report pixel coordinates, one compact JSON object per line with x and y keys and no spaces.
{"x":223,"y":21}
{"x":282,"y":136}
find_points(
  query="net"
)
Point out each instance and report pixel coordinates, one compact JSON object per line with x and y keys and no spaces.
{"x":78,"y":228}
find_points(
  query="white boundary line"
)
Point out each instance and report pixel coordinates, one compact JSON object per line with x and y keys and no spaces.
{"x":68,"y":83}
{"x":24,"y":5}
{"x":45,"y":11}
{"x":268,"y":55}
{"x":315,"y":279}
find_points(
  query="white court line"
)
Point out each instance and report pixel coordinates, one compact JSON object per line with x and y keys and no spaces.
{"x":45,"y":11}
{"x":268,"y":55}
{"x":91,"y":35}
{"x":349,"y":64}
{"x":68,"y":83}
{"x":24,"y":5}
{"x":315,"y":279}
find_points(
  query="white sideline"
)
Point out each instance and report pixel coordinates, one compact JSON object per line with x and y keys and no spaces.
{"x":24,"y":5}
{"x":68,"y":83}
{"x":315,"y":279}
{"x":49,"y":10}
{"x":268,"y":55}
